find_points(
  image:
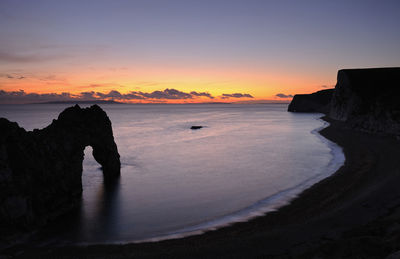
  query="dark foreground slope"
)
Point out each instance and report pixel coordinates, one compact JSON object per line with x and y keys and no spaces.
{"x":40,"y":171}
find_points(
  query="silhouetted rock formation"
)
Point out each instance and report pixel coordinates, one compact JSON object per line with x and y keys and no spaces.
{"x":40,"y":171}
{"x":368,"y":99}
{"x":315,"y":102}
{"x":196,"y":127}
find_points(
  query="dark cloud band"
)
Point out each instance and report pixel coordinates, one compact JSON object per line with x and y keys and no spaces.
{"x":284,"y":95}
{"x":168,"y":94}
{"x":236,"y":95}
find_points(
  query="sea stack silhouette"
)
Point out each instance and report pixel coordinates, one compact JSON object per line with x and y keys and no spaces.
{"x":40,"y":170}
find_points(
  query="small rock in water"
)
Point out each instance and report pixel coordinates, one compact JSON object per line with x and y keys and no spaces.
{"x":196,"y":127}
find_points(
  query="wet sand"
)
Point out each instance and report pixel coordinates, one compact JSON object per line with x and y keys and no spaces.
{"x":355,"y":213}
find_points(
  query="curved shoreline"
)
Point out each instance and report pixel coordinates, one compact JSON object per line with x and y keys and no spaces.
{"x":263,"y":206}
{"x":335,"y":218}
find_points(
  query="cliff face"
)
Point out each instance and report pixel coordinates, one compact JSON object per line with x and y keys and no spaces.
{"x":368,"y":99}
{"x":40,"y":171}
{"x":315,"y":102}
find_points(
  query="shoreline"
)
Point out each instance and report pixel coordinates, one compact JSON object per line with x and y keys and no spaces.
{"x":261,"y":207}
{"x":333,"y":218}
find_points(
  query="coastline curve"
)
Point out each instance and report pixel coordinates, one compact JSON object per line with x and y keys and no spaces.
{"x":259,"y":208}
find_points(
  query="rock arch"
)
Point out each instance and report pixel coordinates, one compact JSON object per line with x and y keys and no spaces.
{"x":41,"y":170}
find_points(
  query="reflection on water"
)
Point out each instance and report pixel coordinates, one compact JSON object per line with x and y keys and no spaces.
{"x":87,"y":222}
{"x":105,"y":211}
{"x":175,"y":179}
{"x":100,"y":216}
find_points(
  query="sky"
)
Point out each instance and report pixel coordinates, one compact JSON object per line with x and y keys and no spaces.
{"x":188,"y":50}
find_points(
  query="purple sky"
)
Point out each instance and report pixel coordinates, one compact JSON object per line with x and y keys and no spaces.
{"x":193,"y":45}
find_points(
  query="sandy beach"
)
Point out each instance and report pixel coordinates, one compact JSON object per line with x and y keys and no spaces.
{"x":354,"y":213}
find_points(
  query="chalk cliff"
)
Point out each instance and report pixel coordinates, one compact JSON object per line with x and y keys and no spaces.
{"x":365,"y":99}
{"x":40,"y":170}
{"x":368,"y":99}
{"x":315,"y":102}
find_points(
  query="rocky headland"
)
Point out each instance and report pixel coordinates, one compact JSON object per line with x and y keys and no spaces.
{"x":40,"y":170}
{"x":365,"y":99}
{"x":315,"y":102}
{"x":368,"y":99}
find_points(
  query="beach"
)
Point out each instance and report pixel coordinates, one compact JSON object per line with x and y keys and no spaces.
{"x":352,"y":214}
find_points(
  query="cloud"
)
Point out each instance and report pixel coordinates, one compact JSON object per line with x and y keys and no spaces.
{"x":205,"y":94}
{"x":156,"y":96}
{"x":52,"y":78}
{"x":11,"y":76}
{"x":89,"y":95}
{"x":236,"y":95}
{"x":170,"y":94}
{"x":100,"y":85}
{"x":113,"y":94}
{"x":280,"y":95}
{"x":22,"y":97}
{"x":29,"y":52}
{"x":22,"y":58}
{"x":166,"y":94}
{"x":47,"y":79}
{"x":133,"y":96}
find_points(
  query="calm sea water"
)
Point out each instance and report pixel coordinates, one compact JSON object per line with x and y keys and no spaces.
{"x":248,"y":160}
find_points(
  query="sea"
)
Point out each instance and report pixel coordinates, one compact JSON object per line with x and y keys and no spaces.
{"x":247,"y":160}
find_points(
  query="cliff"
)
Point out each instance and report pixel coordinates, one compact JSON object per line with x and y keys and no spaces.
{"x":40,"y":171}
{"x":365,"y":99}
{"x":368,"y":99}
{"x":315,"y":102}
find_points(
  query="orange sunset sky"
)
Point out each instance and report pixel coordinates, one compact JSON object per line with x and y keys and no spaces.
{"x":188,"y":51}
